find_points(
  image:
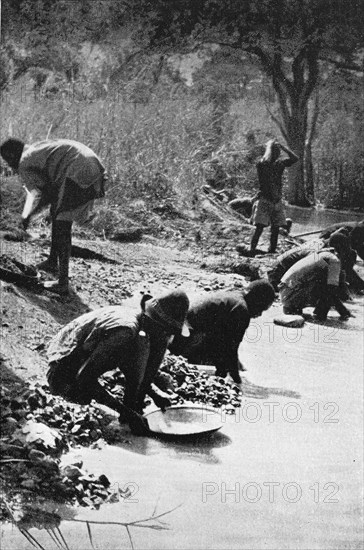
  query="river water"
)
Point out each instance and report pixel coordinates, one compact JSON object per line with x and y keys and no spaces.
{"x":284,"y":473}
{"x":313,"y":219}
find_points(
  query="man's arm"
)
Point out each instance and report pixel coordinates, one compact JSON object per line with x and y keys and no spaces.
{"x":292,"y":157}
{"x":34,"y":185}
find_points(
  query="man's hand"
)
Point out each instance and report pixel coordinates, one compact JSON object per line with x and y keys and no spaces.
{"x":25,"y":223}
{"x":161,"y":401}
{"x":345,"y":314}
{"x":236,"y":377}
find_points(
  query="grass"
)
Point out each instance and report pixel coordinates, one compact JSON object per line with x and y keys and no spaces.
{"x":157,"y":154}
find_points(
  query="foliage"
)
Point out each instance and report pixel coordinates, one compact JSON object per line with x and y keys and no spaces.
{"x":287,"y":37}
{"x":337,"y":150}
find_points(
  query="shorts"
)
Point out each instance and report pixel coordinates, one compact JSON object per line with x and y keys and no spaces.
{"x":266,"y":212}
{"x":81,"y":215}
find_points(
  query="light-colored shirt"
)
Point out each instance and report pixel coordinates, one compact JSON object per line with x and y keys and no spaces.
{"x":45,"y":168}
{"x":311,"y":268}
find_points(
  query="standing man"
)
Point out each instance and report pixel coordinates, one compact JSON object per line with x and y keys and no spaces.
{"x":66,"y":175}
{"x":269,"y":210}
{"x":217,"y":322}
{"x":117,"y":337}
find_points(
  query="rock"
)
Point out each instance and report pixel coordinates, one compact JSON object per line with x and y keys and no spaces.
{"x":28,"y":484}
{"x":35,"y":455}
{"x":9,"y":425}
{"x":104,"y":480}
{"x":127,"y":235}
{"x":291,"y":321}
{"x":72,"y":472}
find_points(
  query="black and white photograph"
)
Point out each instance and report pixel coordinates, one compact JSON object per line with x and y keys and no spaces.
{"x":181,"y":274}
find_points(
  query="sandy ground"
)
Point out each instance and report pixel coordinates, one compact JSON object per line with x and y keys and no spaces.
{"x":284,"y":473}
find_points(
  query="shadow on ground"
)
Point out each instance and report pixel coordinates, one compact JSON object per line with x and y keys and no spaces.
{"x":198,"y":448}
{"x":8,"y":378}
{"x":62,"y":309}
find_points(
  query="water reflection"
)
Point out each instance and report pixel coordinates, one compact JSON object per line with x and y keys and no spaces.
{"x":261,"y":392}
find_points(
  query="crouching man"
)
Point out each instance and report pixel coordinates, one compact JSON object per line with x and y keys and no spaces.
{"x":217,"y":322}
{"x":117,"y":337}
{"x":316,"y":280}
{"x":338,"y":241}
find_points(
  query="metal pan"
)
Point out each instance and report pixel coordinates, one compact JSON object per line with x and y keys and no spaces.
{"x":184,"y":421}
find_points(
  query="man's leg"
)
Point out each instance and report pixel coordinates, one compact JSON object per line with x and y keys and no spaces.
{"x":61,"y":236}
{"x":51,"y":263}
{"x":274,"y":232}
{"x":256,"y":236}
{"x":322,"y":308}
{"x":293,"y":299}
{"x":105,"y":357}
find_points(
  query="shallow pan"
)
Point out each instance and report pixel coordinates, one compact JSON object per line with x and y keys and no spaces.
{"x":184,"y":421}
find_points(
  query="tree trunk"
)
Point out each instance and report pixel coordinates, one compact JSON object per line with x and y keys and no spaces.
{"x":296,"y":179}
{"x":296,"y":137}
{"x":310,"y":183}
{"x":339,"y":182}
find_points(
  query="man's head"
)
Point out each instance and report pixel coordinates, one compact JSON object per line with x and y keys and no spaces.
{"x":357,"y":237}
{"x":168,"y":311}
{"x":272,"y":151}
{"x":341,"y":243}
{"x":11,"y":150}
{"x":259,"y":297}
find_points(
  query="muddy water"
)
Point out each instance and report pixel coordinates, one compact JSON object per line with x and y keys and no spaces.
{"x":313,"y":219}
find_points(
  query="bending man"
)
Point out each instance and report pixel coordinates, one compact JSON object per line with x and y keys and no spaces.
{"x":117,"y":337}
{"x":316,"y":280}
{"x":217,"y":322}
{"x":66,"y":175}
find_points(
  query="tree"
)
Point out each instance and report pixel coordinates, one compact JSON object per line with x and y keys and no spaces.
{"x":288,"y":38}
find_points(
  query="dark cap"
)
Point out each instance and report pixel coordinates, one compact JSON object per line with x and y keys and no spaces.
{"x":339,"y":240}
{"x":259,"y":296}
{"x":169,"y":310}
{"x":11,"y":150}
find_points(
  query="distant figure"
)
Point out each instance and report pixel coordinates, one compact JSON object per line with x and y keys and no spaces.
{"x":314,"y":281}
{"x":66,"y":175}
{"x":117,"y":337}
{"x":217,"y":322}
{"x":269,"y":210}
{"x":355,"y":231}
